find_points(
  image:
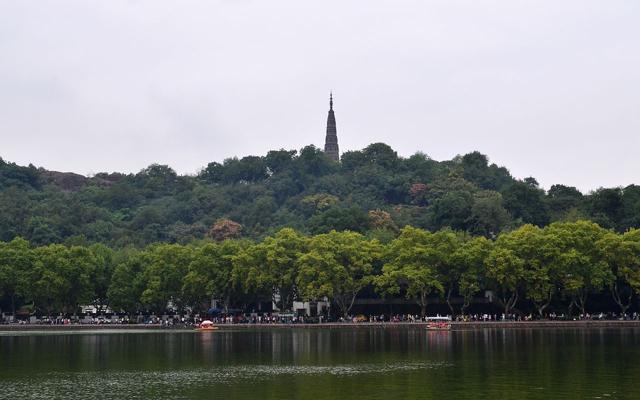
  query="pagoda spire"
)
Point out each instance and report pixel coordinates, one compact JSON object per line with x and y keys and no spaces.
{"x":331,"y":140}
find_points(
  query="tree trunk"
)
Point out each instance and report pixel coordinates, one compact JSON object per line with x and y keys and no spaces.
{"x":422,"y":301}
{"x":464,"y":306}
{"x":353,"y":299}
{"x":449,"y":300}
{"x":623,"y":303}
{"x":582,"y":302}
{"x":509,"y":303}
{"x":274,"y":301}
{"x":571,"y":304}
{"x":341,"y":301}
{"x":285,"y":297}
{"x":541,"y":307}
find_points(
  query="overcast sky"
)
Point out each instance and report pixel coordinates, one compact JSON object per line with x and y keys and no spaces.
{"x":549,"y":89}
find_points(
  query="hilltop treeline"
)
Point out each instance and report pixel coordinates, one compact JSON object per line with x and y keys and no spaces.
{"x":530,"y":269}
{"x":372,"y":191}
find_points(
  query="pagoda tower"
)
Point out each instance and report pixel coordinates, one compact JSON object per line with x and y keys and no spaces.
{"x":331,"y":140}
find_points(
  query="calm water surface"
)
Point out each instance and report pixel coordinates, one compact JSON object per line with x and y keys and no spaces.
{"x":363,"y":363}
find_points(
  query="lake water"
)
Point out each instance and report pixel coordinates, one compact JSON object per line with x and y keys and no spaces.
{"x":362,"y":363}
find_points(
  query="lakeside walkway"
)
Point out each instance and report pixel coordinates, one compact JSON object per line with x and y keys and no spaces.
{"x":335,"y":325}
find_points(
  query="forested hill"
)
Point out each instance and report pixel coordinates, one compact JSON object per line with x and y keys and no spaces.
{"x":371,"y":191}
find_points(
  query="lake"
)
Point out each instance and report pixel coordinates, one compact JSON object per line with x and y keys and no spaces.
{"x":346,"y":363}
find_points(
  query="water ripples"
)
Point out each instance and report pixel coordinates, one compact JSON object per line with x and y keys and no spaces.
{"x":105,"y":385}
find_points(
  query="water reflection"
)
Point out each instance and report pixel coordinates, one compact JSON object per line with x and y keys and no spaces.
{"x":371,"y":363}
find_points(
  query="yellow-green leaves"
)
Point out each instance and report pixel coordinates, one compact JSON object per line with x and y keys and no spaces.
{"x":337,"y":265}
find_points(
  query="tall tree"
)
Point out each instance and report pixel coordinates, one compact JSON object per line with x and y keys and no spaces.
{"x":337,"y":265}
{"x":525,"y":200}
{"x":538,"y":250}
{"x":582,"y":265}
{"x":15,"y":259}
{"x":164,"y":270}
{"x":470,"y":258}
{"x":506,"y":271}
{"x":411,"y":267}
{"x":127,"y":283}
{"x":622,"y":257}
{"x":60,"y":278}
{"x":210,"y":274}
{"x":271,"y":265}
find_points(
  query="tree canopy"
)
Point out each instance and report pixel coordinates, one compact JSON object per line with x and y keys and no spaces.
{"x":254,"y":196}
{"x":529,"y":269}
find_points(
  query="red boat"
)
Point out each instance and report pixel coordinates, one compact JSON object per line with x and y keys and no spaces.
{"x":206,"y":326}
{"x":438,"y":323}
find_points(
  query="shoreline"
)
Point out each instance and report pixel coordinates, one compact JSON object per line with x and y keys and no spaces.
{"x":336,"y":325}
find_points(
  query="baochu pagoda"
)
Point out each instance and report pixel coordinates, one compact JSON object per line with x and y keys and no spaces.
{"x":331,"y":140}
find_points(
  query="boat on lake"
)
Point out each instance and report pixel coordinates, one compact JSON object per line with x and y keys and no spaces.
{"x":206,"y":326}
{"x":438,"y":323}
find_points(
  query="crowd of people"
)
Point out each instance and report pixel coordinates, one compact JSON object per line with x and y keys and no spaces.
{"x":289,"y":318}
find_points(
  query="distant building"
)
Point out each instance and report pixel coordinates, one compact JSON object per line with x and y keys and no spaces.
{"x":331,"y":140}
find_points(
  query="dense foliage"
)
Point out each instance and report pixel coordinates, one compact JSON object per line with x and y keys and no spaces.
{"x":297,"y":225}
{"x":372,"y":191}
{"x":530,"y":269}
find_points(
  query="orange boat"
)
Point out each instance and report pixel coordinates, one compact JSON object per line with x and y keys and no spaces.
{"x":206,"y":326}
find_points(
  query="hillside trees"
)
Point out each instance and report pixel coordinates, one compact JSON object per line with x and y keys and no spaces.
{"x":525,"y":200}
{"x":266,"y":193}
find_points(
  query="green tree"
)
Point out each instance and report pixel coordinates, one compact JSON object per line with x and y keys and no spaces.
{"x":339,"y":218}
{"x":582,"y":264}
{"x":15,"y":259}
{"x":278,"y":161}
{"x":488,"y":216}
{"x":506,"y":272}
{"x":165,"y":267}
{"x":337,"y":265}
{"x":411,"y":267}
{"x":271,"y":266}
{"x":210,"y":274}
{"x":442,"y":249}
{"x":561,"y":200}
{"x":127,"y":284}
{"x":61,"y":278}
{"x":537,"y":250}
{"x":105,"y":259}
{"x":622,"y":257}
{"x":606,"y":206}
{"x":469,"y":259}
{"x":631,"y":272}
{"x":525,"y":200}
